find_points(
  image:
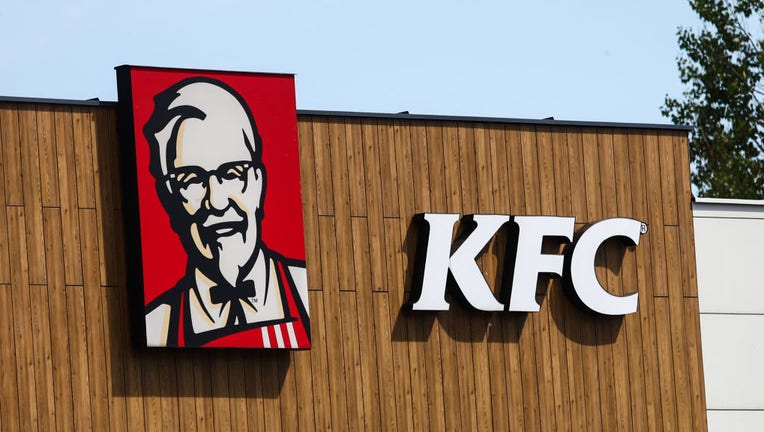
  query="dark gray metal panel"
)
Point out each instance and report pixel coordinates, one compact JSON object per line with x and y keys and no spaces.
{"x":538,"y":122}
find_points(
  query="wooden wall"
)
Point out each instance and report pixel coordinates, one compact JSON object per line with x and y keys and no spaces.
{"x":66,"y":362}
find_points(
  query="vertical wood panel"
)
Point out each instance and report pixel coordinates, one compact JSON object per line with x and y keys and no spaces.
{"x":271,"y":406}
{"x":678,"y":332}
{"x":82,"y":123}
{"x":591,"y":171}
{"x":695,"y":364}
{"x":511,"y":329}
{"x":546,"y":171}
{"x":62,"y":384}
{"x":450,"y":177}
{"x":9,"y":399}
{"x":46,"y":141}
{"x":22,"y":330}
{"x":667,"y":178}
{"x":684,"y":204}
{"x":328,"y":234}
{"x":607,"y":173}
{"x":255,"y":406}
{"x":388,"y":168}
{"x":352,"y":359}
{"x":433,"y":154}
{"x":497,"y":379}
{"x":399,"y":351}
{"x":576,"y":172}
{"x":530,"y":179}
{"x":6,"y":169}
{"x":333,"y":323}
{"x":668,"y":413}
{"x":30,"y":183}
{"x":648,"y":318}
{"x":11,"y":148}
{"x":431,"y":365}
{"x":94,"y":331}
{"x":323,"y":166}
{"x":322,"y":403}
{"x":78,"y":350}
{"x":654,"y":194}
{"x":43,"y":367}
{"x":113,"y":168}
{"x":385,"y":367}
{"x":482,"y":375}
{"x":356,"y":170}
{"x":309,"y":206}
{"x":115,"y":339}
{"x":104,"y":172}
{"x":304,"y":387}
{"x":67,"y":182}
{"x":237,"y":388}
{"x":467,"y":168}
{"x":544,"y":370}
{"x":420,"y":175}
{"x":499,"y":170}
{"x":404,"y":170}
{"x":374,"y":205}
{"x":200,"y":379}
{"x":622,"y":175}
{"x":344,"y":250}
{"x":366,"y":330}
{"x":529,"y":373}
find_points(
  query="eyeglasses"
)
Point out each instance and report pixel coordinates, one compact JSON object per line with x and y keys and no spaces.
{"x":192,"y":182}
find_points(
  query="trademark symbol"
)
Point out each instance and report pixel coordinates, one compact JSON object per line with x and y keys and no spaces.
{"x":643,"y":228}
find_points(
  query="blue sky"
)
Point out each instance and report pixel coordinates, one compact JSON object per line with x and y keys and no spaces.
{"x":574,"y":60}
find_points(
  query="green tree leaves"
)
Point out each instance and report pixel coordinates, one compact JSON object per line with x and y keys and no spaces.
{"x":722,"y":65}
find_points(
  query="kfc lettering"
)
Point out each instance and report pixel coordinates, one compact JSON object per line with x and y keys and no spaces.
{"x":525,"y":263}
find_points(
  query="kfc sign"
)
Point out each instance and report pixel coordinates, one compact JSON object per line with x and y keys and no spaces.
{"x":436,"y":259}
{"x":212,"y":179}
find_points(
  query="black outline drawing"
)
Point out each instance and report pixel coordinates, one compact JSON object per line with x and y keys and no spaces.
{"x":167,"y":183}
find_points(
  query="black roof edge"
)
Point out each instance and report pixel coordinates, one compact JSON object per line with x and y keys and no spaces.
{"x":504,"y":120}
{"x":87,"y":102}
{"x":394,"y":116}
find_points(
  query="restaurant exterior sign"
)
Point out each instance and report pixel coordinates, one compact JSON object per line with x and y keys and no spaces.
{"x":437,"y":258}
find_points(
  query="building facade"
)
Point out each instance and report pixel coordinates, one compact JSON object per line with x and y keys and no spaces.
{"x":67,"y":361}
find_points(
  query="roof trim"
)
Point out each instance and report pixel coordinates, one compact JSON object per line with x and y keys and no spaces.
{"x":393,"y":116}
{"x":503,"y":120}
{"x":87,"y":102}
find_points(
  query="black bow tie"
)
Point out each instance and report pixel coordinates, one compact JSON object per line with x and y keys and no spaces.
{"x":226,"y":293}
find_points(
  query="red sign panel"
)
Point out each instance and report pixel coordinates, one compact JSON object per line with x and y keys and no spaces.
{"x":213,"y":208}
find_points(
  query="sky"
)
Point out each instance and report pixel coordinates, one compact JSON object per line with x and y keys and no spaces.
{"x":572,"y":60}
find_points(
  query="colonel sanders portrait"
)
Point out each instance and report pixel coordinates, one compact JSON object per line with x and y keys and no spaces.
{"x":206,"y":160}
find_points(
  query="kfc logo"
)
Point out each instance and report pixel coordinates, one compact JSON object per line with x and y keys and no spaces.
{"x":214,"y":154}
{"x":441,"y":265}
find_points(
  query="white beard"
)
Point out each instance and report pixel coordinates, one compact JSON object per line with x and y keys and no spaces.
{"x":233,"y":254}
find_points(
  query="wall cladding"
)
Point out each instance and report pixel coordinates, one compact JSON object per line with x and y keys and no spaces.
{"x":66,"y":357}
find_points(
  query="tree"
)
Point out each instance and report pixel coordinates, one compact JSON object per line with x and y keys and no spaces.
{"x":722,"y":64}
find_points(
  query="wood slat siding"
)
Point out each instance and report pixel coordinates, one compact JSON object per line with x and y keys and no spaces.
{"x":67,"y":362}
